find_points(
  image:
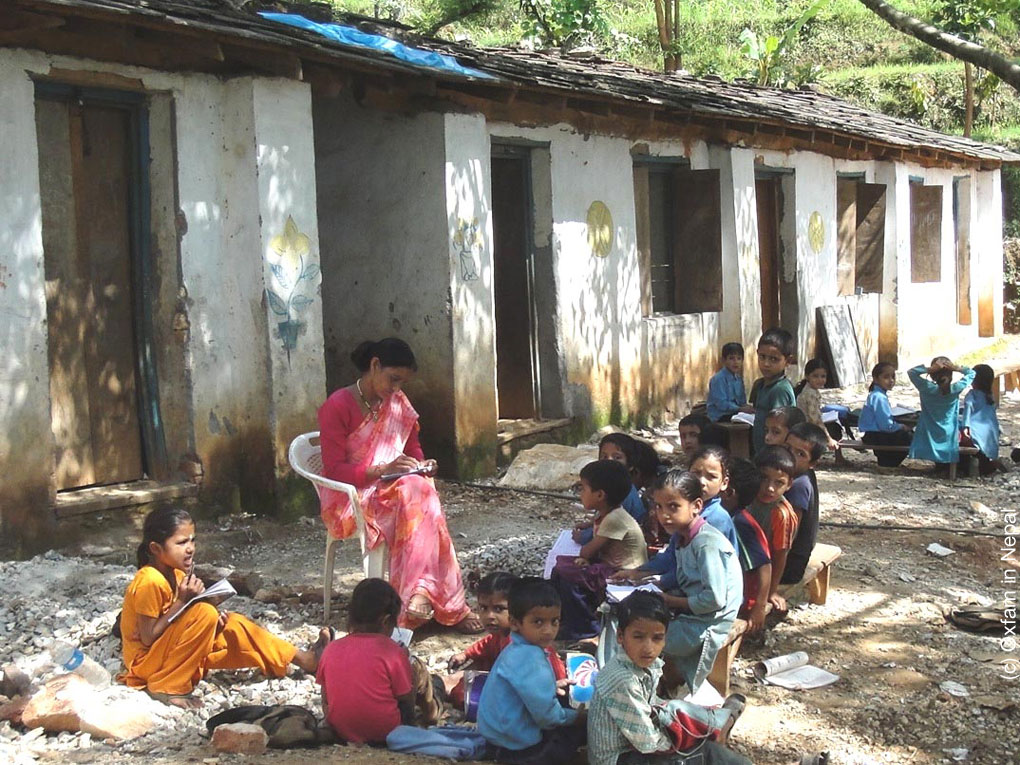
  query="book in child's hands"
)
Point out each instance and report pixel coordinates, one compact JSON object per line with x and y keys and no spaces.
{"x":222,"y":590}
{"x":792,"y":671}
{"x":564,"y":545}
{"x":581,"y":670}
{"x":402,"y":636}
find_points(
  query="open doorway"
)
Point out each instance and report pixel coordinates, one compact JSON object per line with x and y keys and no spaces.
{"x":527,"y":355}
{"x":777,"y":252}
{"x":94,"y":189}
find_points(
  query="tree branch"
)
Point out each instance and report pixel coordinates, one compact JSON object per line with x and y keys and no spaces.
{"x":1007,"y":70}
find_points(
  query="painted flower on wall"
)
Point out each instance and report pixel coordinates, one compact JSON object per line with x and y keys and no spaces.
{"x":467,"y":240}
{"x":289,"y":258}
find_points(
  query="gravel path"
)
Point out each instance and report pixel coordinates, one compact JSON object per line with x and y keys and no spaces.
{"x":882,"y":630}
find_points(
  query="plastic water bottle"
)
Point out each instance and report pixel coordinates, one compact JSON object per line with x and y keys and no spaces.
{"x":71,"y":659}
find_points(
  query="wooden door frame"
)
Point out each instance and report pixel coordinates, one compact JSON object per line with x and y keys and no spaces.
{"x":521,"y":150}
{"x":154,"y":454}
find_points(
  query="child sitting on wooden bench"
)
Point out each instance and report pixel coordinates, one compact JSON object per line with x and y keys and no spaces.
{"x":753,"y":549}
{"x":876,"y":421}
{"x":709,"y":585}
{"x":807,"y":442}
{"x":726,"y":395}
{"x":774,"y":513}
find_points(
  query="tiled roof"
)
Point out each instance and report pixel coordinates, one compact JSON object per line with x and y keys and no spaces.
{"x":567,"y":75}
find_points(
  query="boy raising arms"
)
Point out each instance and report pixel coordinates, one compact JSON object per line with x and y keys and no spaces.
{"x":774,"y":514}
{"x":772,"y":389}
{"x":623,"y":727}
{"x":808,"y":443}
{"x":726,"y":395}
{"x":519,"y":713}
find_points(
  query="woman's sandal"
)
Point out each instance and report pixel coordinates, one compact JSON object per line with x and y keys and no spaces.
{"x":977,"y":619}
{"x":420,"y":614}
{"x":470,"y":625}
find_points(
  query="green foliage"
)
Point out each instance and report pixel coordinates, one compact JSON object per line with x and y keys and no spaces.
{"x":767,"y":53}
{"x":564,"y":22}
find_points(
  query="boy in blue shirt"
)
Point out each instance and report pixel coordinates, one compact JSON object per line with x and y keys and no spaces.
{"x":726,"y":395}
{"x":807,"y":442}
{"x":772,"y":390}
{"x":519,"y":713}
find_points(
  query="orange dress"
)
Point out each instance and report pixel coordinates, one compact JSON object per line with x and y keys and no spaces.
{"x":405,"y":513}
{"x":192,"y":644}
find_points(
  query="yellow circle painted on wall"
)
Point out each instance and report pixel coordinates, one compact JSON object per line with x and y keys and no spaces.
{"x":816,"y":232}
{"x":600,"y":229}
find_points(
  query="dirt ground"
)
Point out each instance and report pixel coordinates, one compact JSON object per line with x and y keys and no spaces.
{"x":882,"y":630}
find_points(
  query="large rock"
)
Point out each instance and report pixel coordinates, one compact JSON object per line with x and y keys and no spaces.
{"x":240,"y":738}
{"x":69,"y":703}
{"x":548,"y":467}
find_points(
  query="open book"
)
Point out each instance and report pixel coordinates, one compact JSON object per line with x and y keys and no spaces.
{"x":395,"y":476}
{"x":564,"y":545}
{"x":222,"y":590}
{"x":793,"y":671}
{"x":617,"y":592}
{"x":745,"y":417}
{"x":402,"y":636}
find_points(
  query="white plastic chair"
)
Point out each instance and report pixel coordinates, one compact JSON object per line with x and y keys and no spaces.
{"x":306,"y":459}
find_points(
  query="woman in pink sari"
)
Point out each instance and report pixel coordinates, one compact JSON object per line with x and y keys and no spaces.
{"x":369,"y":430}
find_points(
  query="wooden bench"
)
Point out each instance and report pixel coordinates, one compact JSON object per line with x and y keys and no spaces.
{"x":815,"y":581}
{"x":739,"y":438}
{"x":965,"y":451}
{"x":1006,"y":379}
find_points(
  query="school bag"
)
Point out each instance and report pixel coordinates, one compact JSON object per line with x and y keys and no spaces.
{"x":287,"y":725}
{"x":452,"y":741}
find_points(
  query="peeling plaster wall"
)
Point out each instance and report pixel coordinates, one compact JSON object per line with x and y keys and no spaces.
{"x":26,"y":462}
{"x":213,"y":346}
{"x":386,"y":256}
{"x":469,"y":222}
{"x":285,"y":157}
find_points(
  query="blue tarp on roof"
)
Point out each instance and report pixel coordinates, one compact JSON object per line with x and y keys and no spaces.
{"x":352,"y":36}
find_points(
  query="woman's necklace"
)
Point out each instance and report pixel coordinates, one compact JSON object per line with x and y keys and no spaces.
{"x":372,"y":410}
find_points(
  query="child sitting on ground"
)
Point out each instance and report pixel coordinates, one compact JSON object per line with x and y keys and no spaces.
{"x":772,"y":390}
{"x":809,"y":397}
{"x":807,"y":443}
{"x":774,"y":514}
{"x":779,"y":422}
{"x":753,"y":550}
{"x":168,"y":658}
{"x":369,"y":683}
{"x":726,"y":394}
{"x":709,"y":585}
{"x":876,"y":421}
{"x":980,"y":423}
{"x":493,"y":591}
{"x":618,"y":542}
{"x":623,"y":725}
{"x":518,"y":713}
{"x":937,"y":436}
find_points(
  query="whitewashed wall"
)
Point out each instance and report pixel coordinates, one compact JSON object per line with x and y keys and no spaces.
{"x":232,"y":166}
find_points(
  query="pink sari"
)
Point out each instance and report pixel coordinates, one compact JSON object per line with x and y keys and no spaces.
{"x":406,"y":513}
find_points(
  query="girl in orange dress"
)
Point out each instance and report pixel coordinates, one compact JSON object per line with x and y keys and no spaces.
{"x":368,"y":430}
{"x":169,"y":658}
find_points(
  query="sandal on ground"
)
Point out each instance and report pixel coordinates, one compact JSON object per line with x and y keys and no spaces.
{"x":822,"y":758}
{"x":470,"y":625}
{"x":180,"y":700}
{"x":977,"y":619}
{"x":735,"y":703}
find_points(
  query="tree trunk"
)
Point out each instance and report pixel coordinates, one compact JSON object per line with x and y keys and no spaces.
{"x":968,"y":97}
{"x":965,"y":51}
{"x":662,"y":22}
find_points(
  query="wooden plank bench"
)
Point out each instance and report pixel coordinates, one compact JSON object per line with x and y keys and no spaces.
{"x":739,"y":438}
{"x":969,"y":452}
{"x":816,"y":583}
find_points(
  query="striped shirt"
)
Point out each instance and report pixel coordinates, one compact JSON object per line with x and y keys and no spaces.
{"x":621,"y":719}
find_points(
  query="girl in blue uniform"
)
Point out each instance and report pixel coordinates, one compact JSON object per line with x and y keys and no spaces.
{"x":937,"y":436}
{"x":876,"y":421}
{"x":980,"y":423}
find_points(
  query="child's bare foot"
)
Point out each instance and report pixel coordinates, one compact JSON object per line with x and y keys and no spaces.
{"x":308,"y":659}
{"x":177,"y":700}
